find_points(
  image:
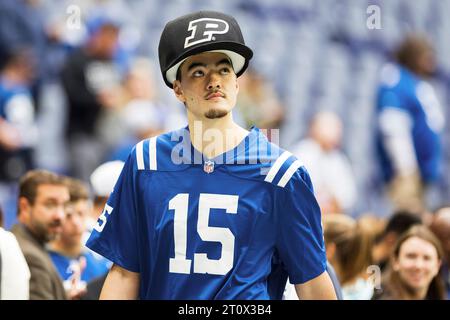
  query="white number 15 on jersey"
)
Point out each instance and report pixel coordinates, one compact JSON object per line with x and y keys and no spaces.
{"x":202,"y":264}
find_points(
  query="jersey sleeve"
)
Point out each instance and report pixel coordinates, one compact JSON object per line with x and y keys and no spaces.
{"x":300,"y":241}
{"x":390,"y":99}
{"x":115,"y":234}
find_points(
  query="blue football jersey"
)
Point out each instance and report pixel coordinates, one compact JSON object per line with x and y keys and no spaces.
{"x":94,"y":266}
{"x":401,"y":90}
{"x":199,"y":228}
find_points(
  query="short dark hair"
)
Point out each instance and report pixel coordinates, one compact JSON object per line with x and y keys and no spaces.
{"x":31,"y":180}
{"x":78,"y":190}
{"x":16,"y":55}
{"x":410,"y":49}
{"x":401,"y":221}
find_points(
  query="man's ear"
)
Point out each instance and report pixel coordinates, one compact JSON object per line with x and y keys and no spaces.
{"x":24,"y":209}
{"x":178,"y":91}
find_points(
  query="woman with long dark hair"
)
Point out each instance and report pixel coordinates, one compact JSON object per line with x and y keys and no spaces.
{"x":414,"y":270}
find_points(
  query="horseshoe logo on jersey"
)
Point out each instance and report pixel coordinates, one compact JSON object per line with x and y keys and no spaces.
{"x":203,"y":30}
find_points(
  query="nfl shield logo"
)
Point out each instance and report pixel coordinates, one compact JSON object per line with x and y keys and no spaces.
{"x":208,"y":167}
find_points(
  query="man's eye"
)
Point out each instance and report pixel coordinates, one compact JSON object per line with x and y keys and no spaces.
{"x":198,"y":73}
{"x":50,"y":205}
{"x":225,"y":70}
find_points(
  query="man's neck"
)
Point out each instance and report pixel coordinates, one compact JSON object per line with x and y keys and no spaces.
{"x":213,"y":137}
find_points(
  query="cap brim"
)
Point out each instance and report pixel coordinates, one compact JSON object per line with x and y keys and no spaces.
{"x":238,"y":54}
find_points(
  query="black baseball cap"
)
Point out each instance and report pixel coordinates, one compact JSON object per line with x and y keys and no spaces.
{"x":199,"y":32}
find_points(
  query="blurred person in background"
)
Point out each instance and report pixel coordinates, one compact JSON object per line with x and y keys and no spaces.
{"x":258,"y":104}
{"x":24,"y":23}
{"x":74,"y":262}
{"x":18,"y":130}
{"x":348,"y":246}
{"x":397,"y":224}
{"x":43,"y":198}
{"x":328,"y":166}
{"x":441,"y":228}
{"x":102,"y":182}
{"x":91,"y":81}
{"x":409,"y":121}
{"x":14,"y":271}
{"x":414,"y":272}
{"x":142,"y":115}
{"x":373,"y":224}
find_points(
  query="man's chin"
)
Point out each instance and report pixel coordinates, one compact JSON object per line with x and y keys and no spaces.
{"x":53,"y":232}
{"x":216,"y":113}
{"x":50,"y":236}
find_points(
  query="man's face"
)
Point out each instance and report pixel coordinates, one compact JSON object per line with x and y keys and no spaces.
{"x":106,"y":41}
{"x":74,"y":224}
{"x":326,"y":129}
{"x":208,"y":85}
{"x":417,"y":263}
{"x":426,"y":62}
{"x":45,"y":217}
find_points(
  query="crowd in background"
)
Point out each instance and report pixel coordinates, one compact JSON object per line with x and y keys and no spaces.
{"x":79,"y":89}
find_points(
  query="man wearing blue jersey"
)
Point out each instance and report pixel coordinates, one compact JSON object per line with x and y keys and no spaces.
{"x":409,"y":121}
{"x":18,"y":129}
{"x":229,"y":220}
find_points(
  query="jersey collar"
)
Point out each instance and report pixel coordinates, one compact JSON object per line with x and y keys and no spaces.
{"x":237,"y":155}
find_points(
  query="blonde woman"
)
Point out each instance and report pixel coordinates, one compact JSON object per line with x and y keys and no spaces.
{"x":348,"y":245}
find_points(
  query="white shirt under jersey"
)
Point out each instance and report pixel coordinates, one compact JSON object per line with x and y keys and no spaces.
{"x":330,"y":172}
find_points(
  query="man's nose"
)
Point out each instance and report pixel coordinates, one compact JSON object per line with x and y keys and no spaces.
{"x":60,"y":213}
{"x":214,"y":81}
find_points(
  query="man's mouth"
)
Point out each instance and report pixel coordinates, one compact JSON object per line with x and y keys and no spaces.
{"x":215,"y":95}
{"x":56,"y":224}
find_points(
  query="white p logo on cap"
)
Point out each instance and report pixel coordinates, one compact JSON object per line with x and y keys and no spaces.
{"x":203,"y":30}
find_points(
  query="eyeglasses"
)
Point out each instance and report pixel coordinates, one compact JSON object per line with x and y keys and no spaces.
{"x":55,"y":205}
